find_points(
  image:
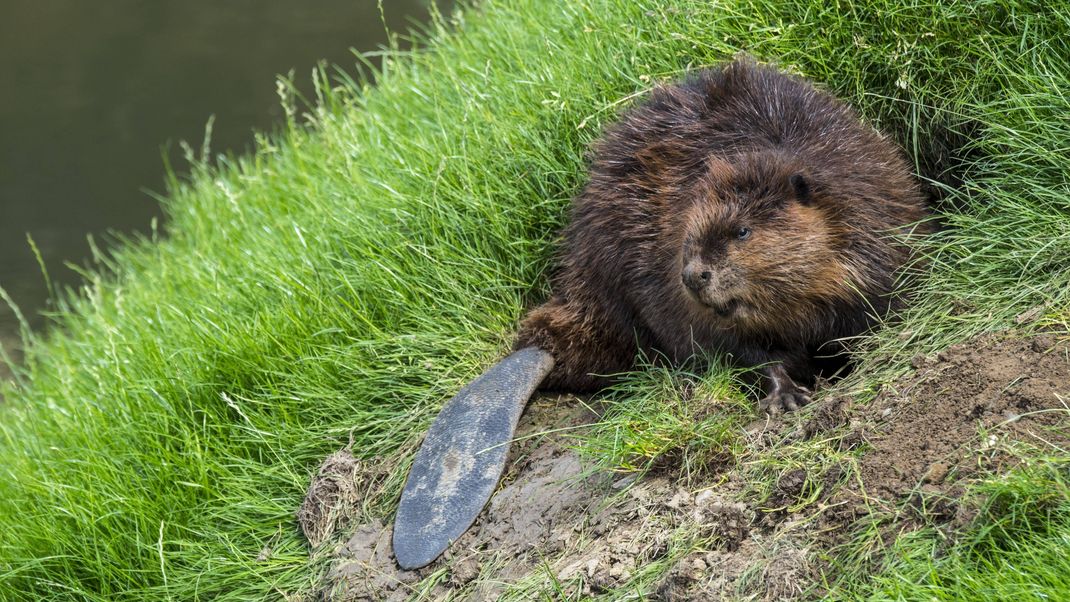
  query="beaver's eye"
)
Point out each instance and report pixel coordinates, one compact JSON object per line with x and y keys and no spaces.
{"x":743,"y":233}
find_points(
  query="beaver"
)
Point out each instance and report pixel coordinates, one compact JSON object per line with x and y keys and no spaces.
{"x":741,"y":211}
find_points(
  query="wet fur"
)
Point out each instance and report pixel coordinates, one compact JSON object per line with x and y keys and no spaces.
{"x":675,"y":179}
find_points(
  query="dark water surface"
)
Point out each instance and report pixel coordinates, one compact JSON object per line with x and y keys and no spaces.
{"x":91,"y":90}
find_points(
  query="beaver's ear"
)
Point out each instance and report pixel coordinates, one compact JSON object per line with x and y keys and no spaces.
{"x":800,"y":187}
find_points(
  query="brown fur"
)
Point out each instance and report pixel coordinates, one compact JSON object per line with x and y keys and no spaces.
{"x":672,"y":187}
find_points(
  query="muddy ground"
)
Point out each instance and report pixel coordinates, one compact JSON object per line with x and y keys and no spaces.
{"x":578,"y":533}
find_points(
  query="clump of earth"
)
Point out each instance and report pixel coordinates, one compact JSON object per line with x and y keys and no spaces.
{"x":554,"y":521}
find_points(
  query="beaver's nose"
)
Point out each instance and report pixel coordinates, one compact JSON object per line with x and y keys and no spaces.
{"x":695,"y":277}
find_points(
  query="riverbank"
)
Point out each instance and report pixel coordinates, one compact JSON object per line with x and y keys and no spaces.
{"x":332,"y":289}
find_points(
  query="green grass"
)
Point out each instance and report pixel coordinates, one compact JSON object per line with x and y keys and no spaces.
{"x":376,"y":252}
{"x":661,"y":417}
{"x":1017,"y":549}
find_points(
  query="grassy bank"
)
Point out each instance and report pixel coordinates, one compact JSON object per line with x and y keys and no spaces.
{"x":376,"y":253}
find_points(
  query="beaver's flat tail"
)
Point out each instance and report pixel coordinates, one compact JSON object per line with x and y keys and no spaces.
{"x":463,"y":456}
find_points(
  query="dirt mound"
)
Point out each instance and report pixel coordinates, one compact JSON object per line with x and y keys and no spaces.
{"x":933,"y":420}
{"x":933,"y":431}
{"x":543,"y":487}
{"x":924,"y":438}
{"x":582,"y":533}
{"x":588,"y":533}
{"x":547,"y":507}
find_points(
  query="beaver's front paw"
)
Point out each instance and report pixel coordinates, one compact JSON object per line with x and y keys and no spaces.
{"x":786,"y":398}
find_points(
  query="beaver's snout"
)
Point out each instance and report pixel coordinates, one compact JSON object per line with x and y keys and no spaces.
{"x":710,"y":286}
{"x":695,"y":276}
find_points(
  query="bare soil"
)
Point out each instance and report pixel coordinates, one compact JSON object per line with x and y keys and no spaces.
{"x":919,"y":444}
{"x":934,"y":430}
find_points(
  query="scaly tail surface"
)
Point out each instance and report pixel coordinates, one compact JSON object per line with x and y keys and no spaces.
{"x":463,"y":456}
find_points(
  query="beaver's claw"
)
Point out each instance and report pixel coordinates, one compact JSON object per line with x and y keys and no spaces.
{"x":786,"y":398}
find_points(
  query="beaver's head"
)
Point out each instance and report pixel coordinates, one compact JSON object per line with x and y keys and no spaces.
{"x":760,"y":244}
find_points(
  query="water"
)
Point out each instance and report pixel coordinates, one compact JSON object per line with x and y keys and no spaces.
{"x":91,"y":91}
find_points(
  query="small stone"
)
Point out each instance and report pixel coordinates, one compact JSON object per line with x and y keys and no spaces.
{"x":592,"y":567}
{"x":886,"y":412}
{"x":679,"y":500}
{"x":936,"y":474}
{"x":931,"y":490}
{"x":1042,"y":344}
{"x":464,"y":571}
{"x":703,"y":496}
{"x":853,"y":439}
